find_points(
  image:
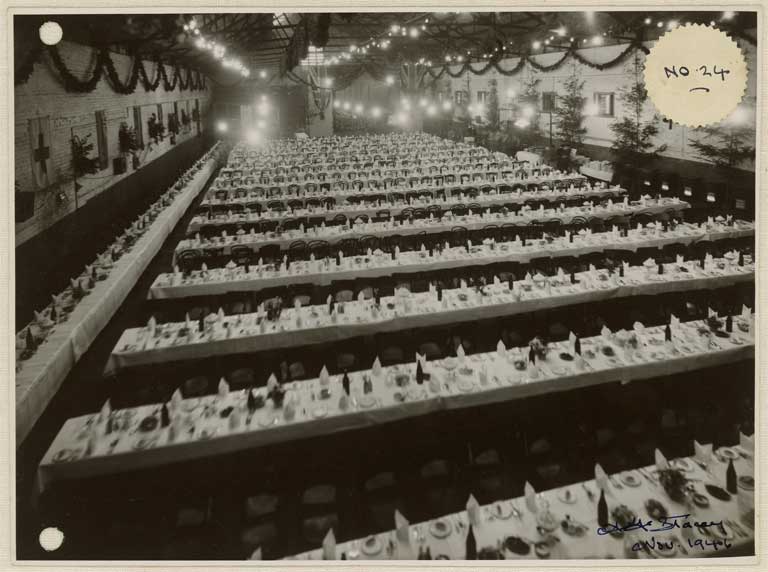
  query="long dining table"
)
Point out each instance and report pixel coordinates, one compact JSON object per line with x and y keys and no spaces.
{"x":40,"y":376}
{"x":323,"y":272}
{"x":393,"y":207}
{"x":264,"y":197}
{"x":298,"y":326}
{"x":111,"y":442}
{"x":562,"y":523}
{"x":475,"y":221}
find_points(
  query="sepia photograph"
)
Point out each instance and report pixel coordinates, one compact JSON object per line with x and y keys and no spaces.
{"x":384,"y":285}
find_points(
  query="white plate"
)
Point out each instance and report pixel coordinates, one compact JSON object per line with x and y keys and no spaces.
{"x":440,"y":528}
{"x":371,"y":546}
{"x":681,"y":463}
{"x":319,"y":413}
{"x":728,"y":453}
{"x":630,"y":479}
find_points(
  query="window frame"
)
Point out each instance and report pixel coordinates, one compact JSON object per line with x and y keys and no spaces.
{"x":612,"y":103}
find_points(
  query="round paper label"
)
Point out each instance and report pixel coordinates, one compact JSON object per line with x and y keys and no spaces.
{"x":695,"y":75}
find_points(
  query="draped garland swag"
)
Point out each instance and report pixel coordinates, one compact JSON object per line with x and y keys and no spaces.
{"x":103,"y":64}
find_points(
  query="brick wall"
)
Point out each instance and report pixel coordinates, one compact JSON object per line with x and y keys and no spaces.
{"x":75,"y":113}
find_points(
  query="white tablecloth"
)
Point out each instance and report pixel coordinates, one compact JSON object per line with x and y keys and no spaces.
{"x":343,"y":195}
{"x":606,"y":176}
{"x":41,"y":376}
{"x":217,"y":281}
{"x":431,"y":226}
{"x":312,"y":324}
{"x":203,"y":433}
{"x":395,"y":208}
{"x":490,"y":528}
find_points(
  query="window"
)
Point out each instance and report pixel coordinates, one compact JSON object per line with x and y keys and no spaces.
{"x":482,"y":97}
{"x":314,"y":57}
{"x":461,"y":97}
{"x":604,"y":103}
{"x":548,"y":102}
{"x":137,"y":125}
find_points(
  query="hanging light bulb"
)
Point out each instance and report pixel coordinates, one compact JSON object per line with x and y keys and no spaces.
{"x":336,"y":104}
{"x":647,"y":21}
{"x":394,"y":28}
{"x":446,"y":105}
{"x":597,"y":41}
{"x":346,"y":106}
{"x":413,"y":32}
{"x":359,"y":108}
{"x":263,"y":74}
{"x":561,"y":31}
{"x":375,"y":112}
{"x":536,"y":45}
{"x":389,"y":80}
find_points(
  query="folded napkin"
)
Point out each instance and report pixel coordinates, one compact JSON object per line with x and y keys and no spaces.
{"x":460,"y":352}
{"x":711,"y":313}
{"x":528,"y":277}
{"x":530,"y":497}
{"x":329,"y":546}
{"x":253,"y":233}
{"x":747,"y":443}
{"x":152,"y":323}
{"x":204,"y":267}
{"x":571,"y":340}
{"x":221,"y":313}
{"x":702,"y":453}
{"x":176,"y":399}
{"x":601,"y":479}
{"x":463,"y":284}
{"x":272,"y":382}
{"x":638,"y":327}
{"x":223,"y":387}
{"x":639,"y":226}
{"x":567,"y":235}
{"x":746,"y":313}
{"x":256,"y":554}
{"x":501,"y":349}
{"x":592,"y":269}
{"x":360,"y":296}
{"x":106,"y":410}
{"x":324,"y":378}
{"x":605,"y":332}
{"x":402,"y":528}
{"x":626,"y":267}
{"x":680,"y":259}
{"x":297,"y":302}
{"x":376,"y":368}
{"x":197,"y":237}
{"x":74,"y":284}
{"x":661,"y":460}
{"x":674,"y":320}
{"x":496,"y":279}
{"x":473,"y":511}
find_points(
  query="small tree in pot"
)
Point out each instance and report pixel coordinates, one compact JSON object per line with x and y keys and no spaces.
{"x":128,"y":144}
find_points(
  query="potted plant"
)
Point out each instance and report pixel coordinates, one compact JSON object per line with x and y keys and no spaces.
{"x":127,"y":143}
{"x":82,"y":163}
{"x":185,"y":120}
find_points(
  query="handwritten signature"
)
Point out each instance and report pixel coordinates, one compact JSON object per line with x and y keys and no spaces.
{"x":664,"y":523}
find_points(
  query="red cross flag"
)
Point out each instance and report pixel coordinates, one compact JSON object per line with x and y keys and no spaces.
{"x":40,"y":152}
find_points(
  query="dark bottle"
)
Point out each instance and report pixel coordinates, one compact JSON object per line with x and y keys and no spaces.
{"x":345,"y":382}
{"x":661,"y":268}
{"x":165,"y":418}
{"x":531,"y":356}
{"x":471,"y":545}
{"x":251,"y":401}
{"x":427,"y":554}
{"x":577,"y":346}
{"x":668,"y":333}
{"x":93,"y":273}
{"x":247,"y":268}
{"x":602,"y":510}
{"x":201,"y":325}
{"x":367,"y":385}
{"x":741,"y":259}
{"x":573,"y":278}
{"x":523,"y":243}
{"x":621,"y":269}
{"x":287,"y":263}
{"x":338,"y":259}
{"x":729,"y":324}
{"x":30,"y":341}
{"x":377,"y":297}
{"x":439,"y":292}
{"x":730,"y":479}
{"x":702,"y":262}
{"x":419,"y":373}
{"x":331,"y":304}
{"x":91,"y":283}
{"x":570,"y":237}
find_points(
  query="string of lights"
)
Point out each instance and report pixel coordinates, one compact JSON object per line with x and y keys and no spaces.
{"x":218,"y":50}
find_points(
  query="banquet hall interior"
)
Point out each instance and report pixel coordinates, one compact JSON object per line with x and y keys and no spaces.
{"x":378,"y":286}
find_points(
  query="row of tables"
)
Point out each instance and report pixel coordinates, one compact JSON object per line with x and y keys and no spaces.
{"x":300,"y":326}
{"x":378,"y":264}
{"x":40,"y":376}
{"x":435,"y":225}
{"x":112,"y":442}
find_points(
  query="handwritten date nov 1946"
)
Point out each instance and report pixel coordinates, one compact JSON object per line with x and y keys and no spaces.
{"x":667,"y":523}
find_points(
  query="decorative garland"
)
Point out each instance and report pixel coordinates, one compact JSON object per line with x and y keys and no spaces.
{"x":571,"y":53}
{"x":103,"y":63}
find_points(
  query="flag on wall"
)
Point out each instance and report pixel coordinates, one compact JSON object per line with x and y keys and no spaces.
{"x":41,"y":153}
